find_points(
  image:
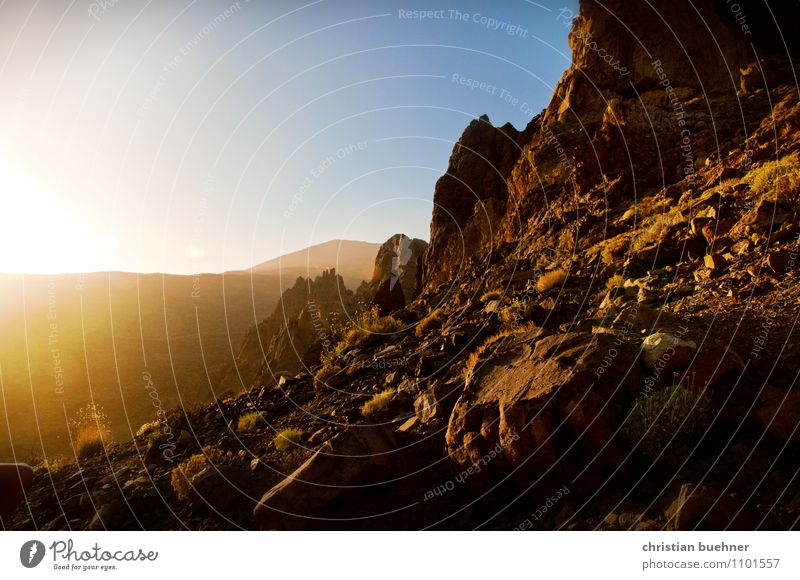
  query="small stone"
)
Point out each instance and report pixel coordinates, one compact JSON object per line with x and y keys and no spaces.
{"x":425,"y":407}
{"x":715,"y":262}
{"x":667,"y":351}
{"x":408,"y":425}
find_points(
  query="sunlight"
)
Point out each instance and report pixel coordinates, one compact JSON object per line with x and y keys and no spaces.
{"x":42,"y":234}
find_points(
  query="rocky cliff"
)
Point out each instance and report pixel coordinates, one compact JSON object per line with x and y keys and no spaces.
{"x":655,"y":92}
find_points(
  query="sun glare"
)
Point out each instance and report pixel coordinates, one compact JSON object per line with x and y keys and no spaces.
{"x":41,"y":233}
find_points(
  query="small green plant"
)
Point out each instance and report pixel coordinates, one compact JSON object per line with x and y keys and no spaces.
{"x":491,"y":295}
{"x":288,"y":439}
{"x":431,"y":322}
{"x":377,"y":403}
{"x":668,"y":422}
{"x":248,"y":422}
{"x":551,"y":279}
{"x":91,"y":430}
{"x":185,"y":474}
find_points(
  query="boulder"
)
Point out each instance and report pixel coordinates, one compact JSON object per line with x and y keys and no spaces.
{"x":425,"y":406}
{"x":715,"y":262}
{"x":533,"y":395}
{"x":667,"y":351}
{"x":350,"y":458}
{"x":703,"y":508}
{"x":711,"y":365}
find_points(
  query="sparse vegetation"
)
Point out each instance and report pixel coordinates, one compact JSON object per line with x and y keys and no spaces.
{"x":56,"y":463}
{"x":377,"y":403}
{"x":779,"y":181}
{"x":668,"y":422}
{"x":248,"y":422}
{"x":551,"y":279}
{"x":431,"y":322}
{"x":516,"y":312}
{"x":288,"y":439}
{"x":613,"y":249}
{"x":614,"y":282}
{"x":656,"y":230}
{"x":645,"y":207}
{"x":324,"y":373}
{"x":186,"y":473}
{"x":147,"y":428}
{"x":91,"y":430}
{"x":491,"y":295}
{"x":366,"y":325}
{"x":475,"y":356}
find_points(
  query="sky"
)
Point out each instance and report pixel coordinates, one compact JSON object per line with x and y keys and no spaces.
{"x":205,"y":136}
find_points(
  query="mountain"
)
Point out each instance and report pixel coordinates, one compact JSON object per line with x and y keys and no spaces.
{"x":354,"y":261}
{"x":601,"y":333}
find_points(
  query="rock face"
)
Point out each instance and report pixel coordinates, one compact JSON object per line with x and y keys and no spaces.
{"x":395,"y":277}
{"x":290,"y":339}
{"x":534,"y":394}
{"x":631,"y":113}
{"x":471,"y":197}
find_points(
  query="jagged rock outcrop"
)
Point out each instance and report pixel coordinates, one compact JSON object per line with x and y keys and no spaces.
{"x":291,"y":339}
{"x":471,"y":197}
{"x":394,"y":280}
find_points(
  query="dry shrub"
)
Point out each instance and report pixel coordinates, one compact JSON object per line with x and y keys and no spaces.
{"x":551,"y":279}
{"x":491,"y":295}
{"x":377,"y":403}
{"x":91,"y":430}
{"x":656,"y":230}
{"x":779,"y":181}
{"x":516,"y":312}
{"x":248,"y":422}
{"x":431,"y":322}
{"x":185,"y":474}
{"x":288,"y":439}
{"x":368,"y":325}
{"x":323,"y":374}
{"x":475,"y":355}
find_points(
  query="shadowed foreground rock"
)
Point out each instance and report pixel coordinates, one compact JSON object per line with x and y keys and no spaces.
{"x":535,"y":394}
{"x":348,"y":459}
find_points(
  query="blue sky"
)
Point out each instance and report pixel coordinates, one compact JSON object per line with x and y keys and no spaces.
{"x":206,"y":136}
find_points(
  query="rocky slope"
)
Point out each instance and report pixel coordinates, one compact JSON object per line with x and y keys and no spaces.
{"x":614,"y":347}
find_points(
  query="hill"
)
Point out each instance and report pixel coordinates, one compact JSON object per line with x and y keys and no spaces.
{"x":354,"y":261}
